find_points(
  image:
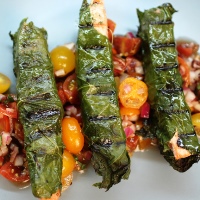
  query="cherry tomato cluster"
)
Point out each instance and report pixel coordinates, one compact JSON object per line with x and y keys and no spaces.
{"x":74,"y":156}
{"x":189,"y":67}
{"x":13,"y":164}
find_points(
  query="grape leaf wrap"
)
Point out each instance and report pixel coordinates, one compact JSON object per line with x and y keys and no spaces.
{"x":99,"y":103}
{"x":40,"y":109}
{"x":170,"y":114}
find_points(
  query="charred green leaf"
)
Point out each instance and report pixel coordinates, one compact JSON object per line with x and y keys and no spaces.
{"x":40,"y":109}
{"x":100,"y":109}
{"x":171,"y":114}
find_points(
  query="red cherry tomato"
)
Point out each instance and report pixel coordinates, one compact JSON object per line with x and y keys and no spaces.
{"x":132,"y":142}
{"x":126,"y":46}
{"x":70,"y":89}
{"x":4,"y":124}
{"x":10,"y":112}
{"x":13,"y":173}
{"x":61,"y":93}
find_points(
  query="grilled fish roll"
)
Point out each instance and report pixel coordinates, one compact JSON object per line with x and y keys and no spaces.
{"x":99,"y":102}
{"x":40,"y":109}
{"x":174,"y":130}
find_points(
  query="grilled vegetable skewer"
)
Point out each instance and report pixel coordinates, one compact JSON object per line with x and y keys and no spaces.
{"x":40,"y":109}
{"x":99,"y":102}
{"x":171,"y":115}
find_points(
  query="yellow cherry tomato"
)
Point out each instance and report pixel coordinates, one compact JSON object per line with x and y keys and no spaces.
{"x":63,"y":60}
{"x":68,"y":164}
{"x":4,"y":83}
{"x":71,"y":135}
{"x":196,"y":119}
{"x":133,"y":93}
{"x":129,"y":111}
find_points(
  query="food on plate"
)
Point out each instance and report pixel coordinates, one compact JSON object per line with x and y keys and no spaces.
{"x":99,"y":100}
{"x":40,"y":109}
{"x":170,"y":115}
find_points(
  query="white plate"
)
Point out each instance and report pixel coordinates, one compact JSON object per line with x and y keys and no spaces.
{"x":151,"y":176}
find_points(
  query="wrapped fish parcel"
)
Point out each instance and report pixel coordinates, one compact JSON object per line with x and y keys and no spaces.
{"x":40,"y":109}
{"x":99,"y":102}
{"x":170,"y":115}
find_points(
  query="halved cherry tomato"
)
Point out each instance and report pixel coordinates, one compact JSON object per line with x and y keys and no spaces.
{"x":4,"y":83}
{"x":61,"y":93}
{"x":126,"y":46}
{"x":70,"y":89}
{"x":68,"y":163}
{"x":13,"y":173}
{"x":63,"y":60}
{"x":111,"y":29}
{"x":186,"y":49}
{"x":74,"y":111}
{"x":132,"y":142}
{"x":4,"y":124}
{"x":133,"y":93}
{"x":184,"y":71}
{"x":10,"y":112}
{"x":72,"y":135}
{"x":18,"y":129}
{"x":129,"y":111}
{"x":84,"y":156}
{"x":118,"y":65}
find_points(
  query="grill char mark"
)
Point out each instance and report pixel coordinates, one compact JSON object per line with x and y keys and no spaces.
{"x":42,"y":114}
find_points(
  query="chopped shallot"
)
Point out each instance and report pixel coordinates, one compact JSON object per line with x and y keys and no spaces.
{"x":19,"y":160}
{"x":6,"y":138}
{"x":14,"y":153}
{"x":129,"y":130}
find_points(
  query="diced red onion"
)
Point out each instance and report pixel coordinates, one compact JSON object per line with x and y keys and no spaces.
{"x":71,"y":46}
{"x":189,"y":95}
{"x":139,"y":69}
{"x":130,"y":35}
{"x":60,"y":72}
{"x":14,"y":153}
{"x":19,"y":160}
{"x":10,"y":110}
{"x":71,"y":110}
{"x":6,"y":138}
{"x":145,"y":110}
{"x":129,"y":130}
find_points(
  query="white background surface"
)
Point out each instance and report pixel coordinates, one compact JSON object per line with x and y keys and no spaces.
{"x":151,"y":176}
